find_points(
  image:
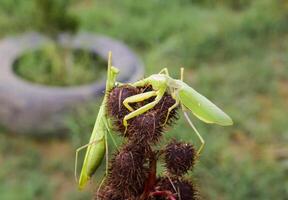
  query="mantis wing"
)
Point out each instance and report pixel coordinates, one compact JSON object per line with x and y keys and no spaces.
{"x":201,"y":107}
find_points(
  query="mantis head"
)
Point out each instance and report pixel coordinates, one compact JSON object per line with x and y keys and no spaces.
{"x":157,"y":81}
{"x":112,"y":73}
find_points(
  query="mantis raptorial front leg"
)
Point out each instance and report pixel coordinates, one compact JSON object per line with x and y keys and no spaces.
{"x":139,"y":97}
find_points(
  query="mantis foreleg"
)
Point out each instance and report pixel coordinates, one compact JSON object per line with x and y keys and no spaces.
{"x":138,"y":98}
{"x":142,"y":109}
{"x":198,"y":134}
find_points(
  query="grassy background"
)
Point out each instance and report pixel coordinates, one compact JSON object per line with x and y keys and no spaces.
{"x":234,"y":52}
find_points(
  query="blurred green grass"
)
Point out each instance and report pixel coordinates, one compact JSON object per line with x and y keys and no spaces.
{"x":235,"y":55}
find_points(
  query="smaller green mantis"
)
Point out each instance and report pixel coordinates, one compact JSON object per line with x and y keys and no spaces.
{"x":183,"y":94}
{"x":97,"y":145}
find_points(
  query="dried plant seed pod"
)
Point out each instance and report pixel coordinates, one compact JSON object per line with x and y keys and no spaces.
{"x":116,"y":97}
{"x":179,"y":157}
{"x":146,"y":127}
{"x":116,"y":108}
{"x":163,"y":106}
{"x":107,"y":192}
{"x":128,"y":172}
{"x":181,"y":188}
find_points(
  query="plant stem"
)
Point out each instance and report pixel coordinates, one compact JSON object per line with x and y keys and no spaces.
{"x":151,"y":180}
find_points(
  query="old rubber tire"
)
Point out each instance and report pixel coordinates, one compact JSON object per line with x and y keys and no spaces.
{"x":29,"y":108}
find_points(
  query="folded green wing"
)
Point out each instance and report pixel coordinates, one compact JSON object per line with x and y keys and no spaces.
{"x":201,"y":107}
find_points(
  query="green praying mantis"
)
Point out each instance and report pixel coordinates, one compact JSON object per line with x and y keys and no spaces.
{"x":184,"y":95}
{"x":97,"y":145}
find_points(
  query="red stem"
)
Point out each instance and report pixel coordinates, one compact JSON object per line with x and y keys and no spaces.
{"x":151,"y":180}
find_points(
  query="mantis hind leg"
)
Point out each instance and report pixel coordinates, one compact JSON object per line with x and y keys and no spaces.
{"x":197,"y":133}
{"x":142,"y":109}
{"x":77,"y":152}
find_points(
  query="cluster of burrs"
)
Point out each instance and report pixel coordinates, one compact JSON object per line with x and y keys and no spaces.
{"x":132,"y":171}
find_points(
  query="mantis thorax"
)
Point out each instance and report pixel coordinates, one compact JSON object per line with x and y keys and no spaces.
{"x":158,"y":81}
{"x":163,"y":81}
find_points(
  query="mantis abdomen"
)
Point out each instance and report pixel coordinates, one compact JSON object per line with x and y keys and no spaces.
{"x":96,"y":149}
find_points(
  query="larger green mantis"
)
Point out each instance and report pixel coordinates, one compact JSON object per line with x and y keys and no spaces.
{"x":183,"y":94}
{"x":97,"y":145}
